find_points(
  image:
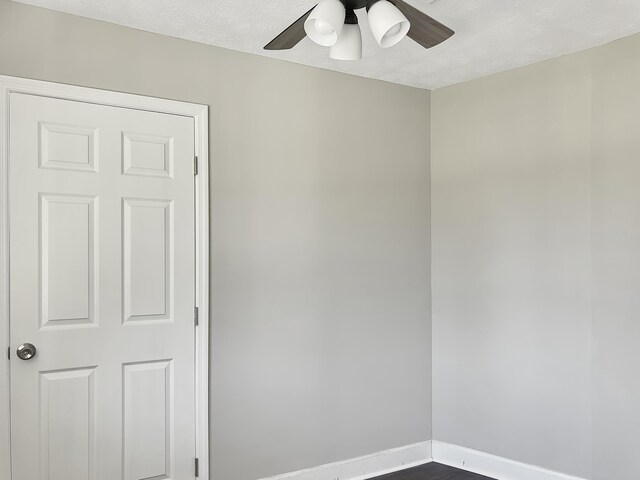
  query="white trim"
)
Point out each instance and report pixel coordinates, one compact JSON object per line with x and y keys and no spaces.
{"x":401,"y":458}
{"x":491,"y":465}
{"x":5,"y":435}
{"x":368,"y":466}
{"x":202,"y":290}
{"x":88,"y":95}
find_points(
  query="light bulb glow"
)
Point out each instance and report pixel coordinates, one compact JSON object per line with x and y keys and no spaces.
{"x":323,"y":27}
{"x":393,"y":31}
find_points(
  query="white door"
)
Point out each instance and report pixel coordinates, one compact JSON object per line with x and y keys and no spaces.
{"x":101,"y":206}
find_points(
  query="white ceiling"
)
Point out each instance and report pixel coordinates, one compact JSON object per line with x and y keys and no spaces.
{"x":491,"y":35}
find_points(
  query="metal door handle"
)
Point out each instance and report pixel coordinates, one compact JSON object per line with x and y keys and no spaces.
{"x":26,"y":351}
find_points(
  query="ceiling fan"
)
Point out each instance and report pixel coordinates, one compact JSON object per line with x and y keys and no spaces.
{"x":334,"y":24}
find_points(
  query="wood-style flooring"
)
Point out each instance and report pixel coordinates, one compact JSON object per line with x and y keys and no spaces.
{"x":432,"y":471}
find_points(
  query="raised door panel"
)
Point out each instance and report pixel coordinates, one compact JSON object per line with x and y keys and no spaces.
{"x":68,"y":256}
{"x":148,"y":420}
{"x":147,"y":155}
{"x":67,"y":429}
{"x":68,"y":147}
{"x":147,"y":259}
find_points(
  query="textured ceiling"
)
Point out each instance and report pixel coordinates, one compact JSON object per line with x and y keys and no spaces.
{"x":491,"y":35}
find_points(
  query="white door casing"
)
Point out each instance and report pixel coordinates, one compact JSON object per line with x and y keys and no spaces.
{"x":105,"y":274}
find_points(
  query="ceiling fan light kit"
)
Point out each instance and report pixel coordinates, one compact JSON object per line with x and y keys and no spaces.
{"x":334,"y":24}
{"x":388,"y":24}
{"x":325,"y":22}
{"x":349,"y":44}
{"x":331,"y":24}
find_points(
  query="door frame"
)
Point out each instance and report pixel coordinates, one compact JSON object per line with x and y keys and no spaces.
{"x":200,"y":115}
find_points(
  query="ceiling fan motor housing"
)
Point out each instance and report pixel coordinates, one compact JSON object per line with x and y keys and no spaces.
{"x":354,"y":4}
{"x":358,"y":4}
{"x":350,"y":18}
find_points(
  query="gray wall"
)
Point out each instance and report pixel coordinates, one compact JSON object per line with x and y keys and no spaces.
{"x":616,"y":260}
{"x":320,"y":233}
{"x":536,"y":263}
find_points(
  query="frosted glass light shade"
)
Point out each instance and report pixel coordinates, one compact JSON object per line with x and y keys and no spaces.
{"x":388,"y":24}
{"x":349,"y":44}
{"x":324,"y":23}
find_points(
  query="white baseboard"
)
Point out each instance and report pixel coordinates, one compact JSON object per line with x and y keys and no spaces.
{"x":491,"y":465}
{"x":395,"y":459}
{"x":368,"y":466}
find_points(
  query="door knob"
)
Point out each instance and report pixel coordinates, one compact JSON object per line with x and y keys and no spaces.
{"x":26,"y":351}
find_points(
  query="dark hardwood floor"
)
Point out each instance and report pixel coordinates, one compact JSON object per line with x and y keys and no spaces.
{"x":432,"y":471}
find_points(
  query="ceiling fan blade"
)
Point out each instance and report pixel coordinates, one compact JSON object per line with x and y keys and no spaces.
{"x":424,"y":29}
{"x":291,"y":36}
